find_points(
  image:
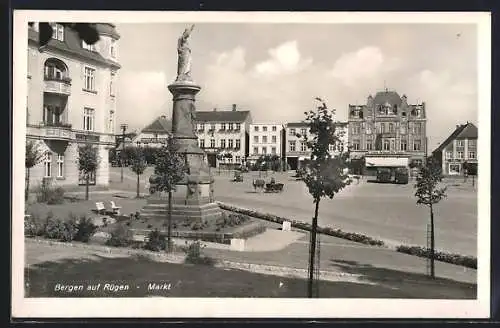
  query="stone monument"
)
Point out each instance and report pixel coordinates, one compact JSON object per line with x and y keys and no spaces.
{"x":194,"y":195}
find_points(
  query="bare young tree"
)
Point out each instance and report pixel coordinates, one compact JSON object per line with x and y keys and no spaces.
{"x":138,"y":165}
{"x":429,"y":193}
{"x":34,"y":155}
{"x":324,"y":174}
{"x":88,"y":162}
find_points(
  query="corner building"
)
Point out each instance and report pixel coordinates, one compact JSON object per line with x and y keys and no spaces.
{"x":71,"y":101}
{"x":387,"y":131}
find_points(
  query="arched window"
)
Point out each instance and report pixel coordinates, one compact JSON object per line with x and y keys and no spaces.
{"x":55,"y":69}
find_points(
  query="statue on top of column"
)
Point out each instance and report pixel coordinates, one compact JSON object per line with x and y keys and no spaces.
{"x":184,"y":56}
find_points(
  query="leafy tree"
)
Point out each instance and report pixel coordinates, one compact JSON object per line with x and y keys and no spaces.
{"x":170,"y":168}
{"x":325,"y":175}
{"x":88,"y":162}
{"x":86,"y":32}
{"x":138,"y":165}
{"x":428,"y":193}
{"x":34,"y":155}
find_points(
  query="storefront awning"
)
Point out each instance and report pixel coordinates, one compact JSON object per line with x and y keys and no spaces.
{"x":386,"y":161}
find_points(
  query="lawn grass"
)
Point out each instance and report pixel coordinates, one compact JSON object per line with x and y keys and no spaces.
{"x":206,"y":281}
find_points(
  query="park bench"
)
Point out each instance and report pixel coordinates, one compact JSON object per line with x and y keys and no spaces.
{"x":114,"y":208}
{"x":100,"y":208}
{"x":274,"y":187}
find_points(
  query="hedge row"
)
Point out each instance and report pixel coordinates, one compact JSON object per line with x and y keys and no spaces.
{"x":457,"y":259}
{"x":356,"y":237}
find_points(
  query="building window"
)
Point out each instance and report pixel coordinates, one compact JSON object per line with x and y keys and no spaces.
{"x":223,"y":143}
{"x":223,"y":126}
{"x":111,"y":85}
{"x":291,"y":145}
{"x":238,"y":126}
{"x":112,"y":49}
{"x":255,"y":150}
{"x":460,"y":143}
{"x":472,"y":143}
{"x":460,"y":154}
{"x":403,"y":145}
{"x":274,"y":128}
{"x":292,"y":132}
{"x":89,"y":47}
{"x":264,"y":150}
{"x":51,"y":115}
{"x":391,"y":127}
{"x":230,"y":126}
{"x":264,"y":128}
{"x":88,"y":119}
{"x":57,"y":32}
{"x":212,"y":127}
{"x":201,"y":126}
{"x":402,"y":129}
{"x":303,"y":132}
{"x":303,"y":146}
{"x":238,"y":143}
{"x":264,"y":139}
{"x":417,"y":145}
{"x":355,"y":145}
{"x":256,"y":139}
{"x":89,"y":77}
{"x":47,"y":164}
{"x":54,"y":70}
{"x":230,"y":143}
{"x":448,"y":154}
{"x":369,"y":145}
{"x":273,"y":139}
{"x":355,"y":129}
{"x":256,"y":128}
{"x":386,"y":145}
{"x":454,"y":169}
{"x":472,"y":155}
{"x":202,"y":143}
{"x":273,"y":150}
{"x":382,"y":127}
{"x":238,"y":158}
{"x":417,"y":128}
{"x":212,"y":143}
{"x":60,"y":166}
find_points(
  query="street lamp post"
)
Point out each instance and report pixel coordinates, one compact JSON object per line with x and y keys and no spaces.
{"x":123,"y":127}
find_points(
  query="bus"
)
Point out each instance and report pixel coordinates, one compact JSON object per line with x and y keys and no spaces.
{"x":397,"y":175}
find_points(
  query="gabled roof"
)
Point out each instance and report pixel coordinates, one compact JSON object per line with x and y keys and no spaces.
{"x":73,"y":45}
{"x":238,"y":116}
{"x":160,"y":125}
{"x":462,"y":131}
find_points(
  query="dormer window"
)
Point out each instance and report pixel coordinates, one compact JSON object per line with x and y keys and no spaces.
{"x":57,"y":31}
{"x":89,"y":47}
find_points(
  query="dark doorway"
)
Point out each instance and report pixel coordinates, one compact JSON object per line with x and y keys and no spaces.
{"x":212,"y":160}
{"x":292,"y":162}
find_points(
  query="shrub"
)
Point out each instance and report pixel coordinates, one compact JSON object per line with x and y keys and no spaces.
{"x":45,"y":193}
{"x":120,"y":237}
{"x":457,"y":259}
{"x":60,"y":230}
{"x":194,"y":256}
{"x":33,"y":226}
{"x":85,"y":229}
{"x":156,"y":241}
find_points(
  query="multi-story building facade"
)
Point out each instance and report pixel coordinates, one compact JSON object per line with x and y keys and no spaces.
{"x":296,"y":150}
{"x":265,"y":139}
{"x":459,"y":148}
{"x":71,"y":101}
{"x":224,"y":132}
{"x":387,"y":131}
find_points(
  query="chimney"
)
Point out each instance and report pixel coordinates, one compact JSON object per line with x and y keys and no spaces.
{"x":163,"y":117}
{"x":215,"y":109}
{"x":234,"y":107}
{"x":458,"y":125}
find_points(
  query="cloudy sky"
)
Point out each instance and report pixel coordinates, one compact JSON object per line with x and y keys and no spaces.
{"x":276,"y":70}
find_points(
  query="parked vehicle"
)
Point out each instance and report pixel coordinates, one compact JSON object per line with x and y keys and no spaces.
{"x":401,"y":175}
{"x":384,"y":175}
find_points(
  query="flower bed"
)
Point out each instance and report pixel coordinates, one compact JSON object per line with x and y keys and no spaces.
{"x":457,"y":259}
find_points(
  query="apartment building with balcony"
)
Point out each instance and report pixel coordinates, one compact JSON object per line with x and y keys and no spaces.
{"x":71,"y":101}
{"x":296,"y":150}
{"x":387,"y":131}
{"x":224,"y":132}
{"x":265,"y":139}
{"x":459,"y":148}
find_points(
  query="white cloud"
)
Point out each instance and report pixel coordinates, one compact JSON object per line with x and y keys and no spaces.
{"x":368,"y":63}
{"x":285,"y":58}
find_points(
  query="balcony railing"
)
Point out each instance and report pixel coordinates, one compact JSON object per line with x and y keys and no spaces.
{"x":57,"y":85}
{"x":58,"y":125}
{"x":56,"y":131}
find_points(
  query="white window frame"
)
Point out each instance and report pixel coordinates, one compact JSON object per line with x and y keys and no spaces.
{"x":238,"y":143}
{"x":460,"y":154}
{"x":89,"y":47}
{"x":255,"y":150}
{"x":88,"y":119}
{"x":60,"y":166}
{"x":369,"y":144}
{"x":57,"y":32}
{"x":355,"y":145}
{"x":460,"y":143}
{"x":47,"y":165}
{"x":274,"y":128}
{"x":405,"y":143}
{"x":264,"y":150}
{"x":230,"y":126}
{"x":264,"y":139}
{"x":212,"y":143}
{"x":256,"y":128}
{"x":303,"y":146}
{"x":202,"y":143}
{"x":223,"y":126}
{"x":303,"y":132}
{"x":230,"y":143}
{"x":454,"y":172}
{"x":264,"y":129}
{"x":292,"y":132}
{"x":448,"y":154}
{"x":292,"y":145}
{"x":238,"y":126}
{"x":415,"y":143}
{"x":222,"y":143}
{"x":273,"y":139}
{"x":473,"y":155}
{"x":273,"y":150}
{"x":89,"y":75}
{"x":255,"y":139}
